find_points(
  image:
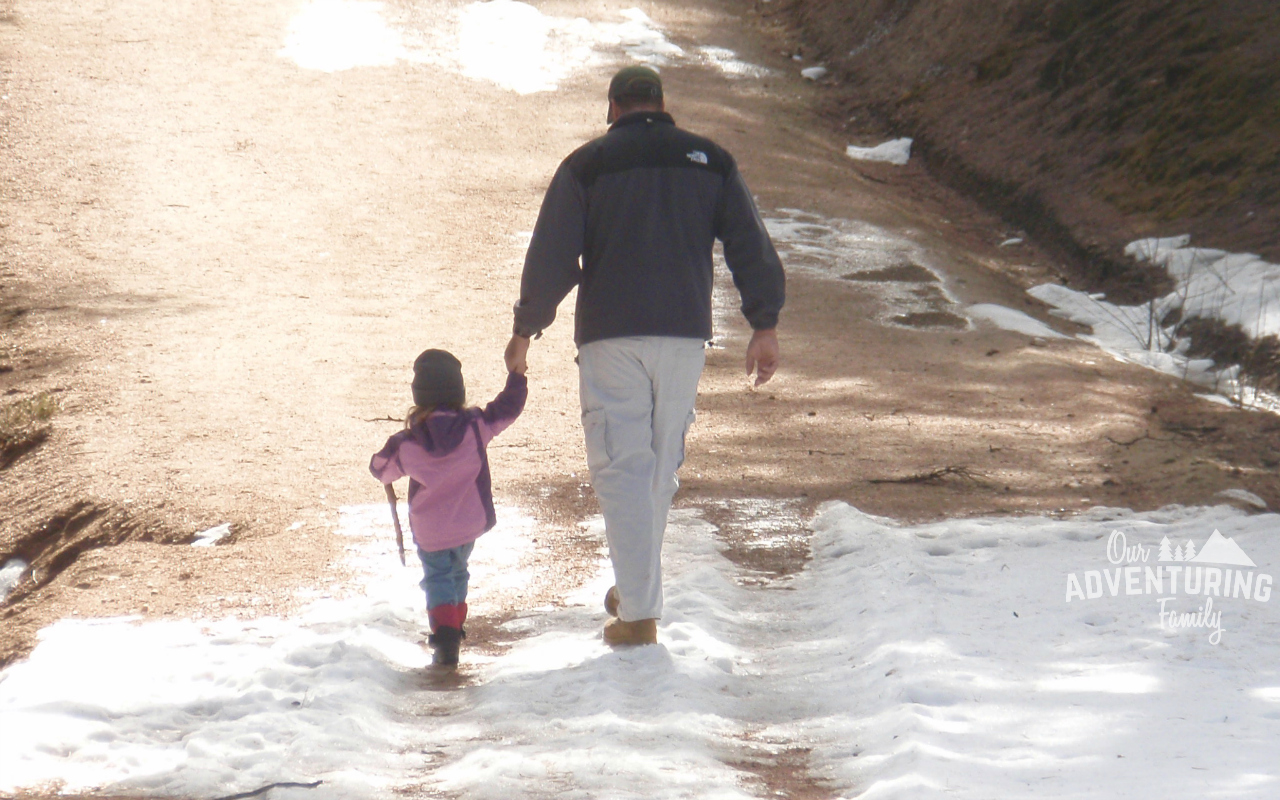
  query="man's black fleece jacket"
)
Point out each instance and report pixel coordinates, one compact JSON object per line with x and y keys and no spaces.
{"x":642,"y":206}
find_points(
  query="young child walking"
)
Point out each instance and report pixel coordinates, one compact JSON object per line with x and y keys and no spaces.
{"x":442,"y":451}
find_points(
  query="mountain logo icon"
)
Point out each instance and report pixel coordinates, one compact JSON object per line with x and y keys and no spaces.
{"x":1217,"y":550}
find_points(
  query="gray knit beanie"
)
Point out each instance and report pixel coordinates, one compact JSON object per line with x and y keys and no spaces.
{"x":437,"y":380}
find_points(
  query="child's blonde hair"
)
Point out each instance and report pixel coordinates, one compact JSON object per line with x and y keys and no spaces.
{"x":419,"y":413}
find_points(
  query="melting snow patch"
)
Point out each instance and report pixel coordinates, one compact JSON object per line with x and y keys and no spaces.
{"x":895,"y":151}
{"x":10,"y":574}
{"x":1216,"y":398}
{"x":511,"y":44}
{"x":1012,"y":320}
{"x":209,"y":708}
{"x":1156,"y":249}
{"x":516,"y":46}
{"x":932,"y":669}
{"x":641,"y":38}
{"x":952,"y":654}
{"x":212,"y":536}
{"x":1237,"y":289}
{"x":836,"y":247}
{"x":335,"y":35}
{"x":728,"y":63}
{"x":887,"y":264}
{"x":896,"y":664}
{"x":1244,"y":496}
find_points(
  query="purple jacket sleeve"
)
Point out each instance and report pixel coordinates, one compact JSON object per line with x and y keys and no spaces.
{"x":498,"y":415}
{"x":385,"y":464}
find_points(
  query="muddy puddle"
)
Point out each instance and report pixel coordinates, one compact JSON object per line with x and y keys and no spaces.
{"x":767,"y":538}
{"x":910,"y":290}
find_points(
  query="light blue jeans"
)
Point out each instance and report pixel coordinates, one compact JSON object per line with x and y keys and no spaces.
{"x":637,"y":404}
{"x":445,"y":575}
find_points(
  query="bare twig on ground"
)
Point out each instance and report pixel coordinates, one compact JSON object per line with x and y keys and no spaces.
{"x":935,"y":476}
{"x":269,"y":787}
{"x":1131,"y":442}
{"x":1191,"y":431}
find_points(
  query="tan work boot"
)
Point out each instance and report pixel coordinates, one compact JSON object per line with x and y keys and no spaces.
{"x":611,"y":601}
{"x":619,"y":633}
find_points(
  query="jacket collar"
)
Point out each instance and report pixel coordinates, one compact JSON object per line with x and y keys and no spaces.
{"x":442,"y":431}
{"x":636,"y":117}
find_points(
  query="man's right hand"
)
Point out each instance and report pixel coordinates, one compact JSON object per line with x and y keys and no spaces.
{"x":763,"y":355}
{"x":517,"y":351}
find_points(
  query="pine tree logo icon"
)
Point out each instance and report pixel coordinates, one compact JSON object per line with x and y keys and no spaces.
{"x":1217,"y":550}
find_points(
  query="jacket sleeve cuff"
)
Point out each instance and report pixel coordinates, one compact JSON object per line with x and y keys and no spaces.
{"x":526,"y":331}
{"x":523,"y":326}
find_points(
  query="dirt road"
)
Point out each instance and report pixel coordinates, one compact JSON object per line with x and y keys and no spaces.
{"x":221,"y":264}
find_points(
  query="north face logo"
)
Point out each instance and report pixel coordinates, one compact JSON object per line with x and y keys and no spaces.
{"x":698,"y":157}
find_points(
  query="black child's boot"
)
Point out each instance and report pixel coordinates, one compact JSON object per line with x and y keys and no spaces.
{"x":445,"y":643}
{"x":447,"y":633}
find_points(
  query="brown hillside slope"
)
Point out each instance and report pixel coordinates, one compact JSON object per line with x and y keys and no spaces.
{"x":1087,"y":123}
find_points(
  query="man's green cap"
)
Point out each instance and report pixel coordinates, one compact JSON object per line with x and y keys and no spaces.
{"x":638,"y":82}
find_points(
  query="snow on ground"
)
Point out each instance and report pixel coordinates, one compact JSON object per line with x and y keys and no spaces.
{"x":205,"y":708}
{"x":1133,"y":333}
{"x":1244,"y":496}
{"x":827,"y":247}
{"x":894,"y":151}
{"x":727,"y":62}
{"x":948,"y":659}
{"x":336,"y":35}
{"x":1237,"y":288}
{"x":913,"y":661}
{"x":1002,"y":657}
{"x":511,"y":44}
{"x":516,"y":46}
{"x":905,"y":276}
{"x":210,"y":537}
{"x":1010,"y":319}
{"x":10,"y":574}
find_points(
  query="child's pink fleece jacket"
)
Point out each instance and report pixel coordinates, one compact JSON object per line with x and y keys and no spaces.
{"x":450,"y":492}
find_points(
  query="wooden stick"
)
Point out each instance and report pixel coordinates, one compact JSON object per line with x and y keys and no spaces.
{"x":395,"y":517}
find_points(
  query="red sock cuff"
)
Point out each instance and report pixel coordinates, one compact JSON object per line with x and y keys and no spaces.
{"x":450,"y":614}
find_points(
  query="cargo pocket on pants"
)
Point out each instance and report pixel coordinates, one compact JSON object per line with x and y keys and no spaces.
{"x":594,"y":430}
{"x":688,"y":423}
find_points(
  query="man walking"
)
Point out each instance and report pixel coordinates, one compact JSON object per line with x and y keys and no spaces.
{"x":631,"y":219}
